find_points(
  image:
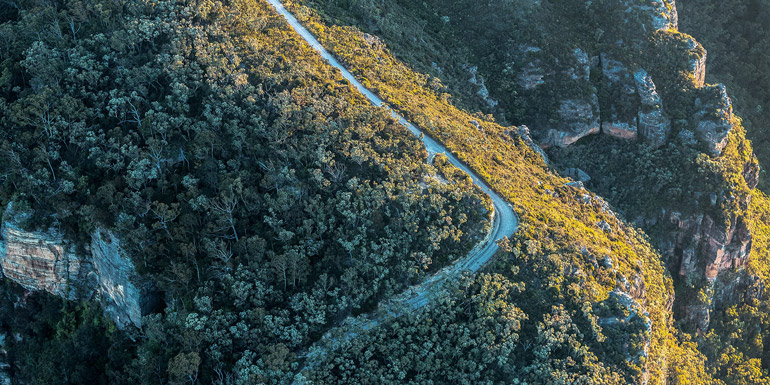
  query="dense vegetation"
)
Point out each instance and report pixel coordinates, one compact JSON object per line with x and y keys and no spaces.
{"x":59,"y":341}
{"x":560,"y":226}
{"x":264,"y":198}
{"x":268,"y":201}
{"x":676,"y":173}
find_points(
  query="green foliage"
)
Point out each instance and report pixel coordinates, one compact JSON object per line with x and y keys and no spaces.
{"x":265,"y":198}
{"x":269,"y":201}
{"x":52,"y":341}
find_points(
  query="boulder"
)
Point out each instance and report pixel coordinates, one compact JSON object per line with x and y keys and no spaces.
{"x":576,"y":184}
{"x":577,"y":174}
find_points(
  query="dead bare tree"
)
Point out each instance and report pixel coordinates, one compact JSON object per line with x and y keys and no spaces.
{"x":225,"y":205}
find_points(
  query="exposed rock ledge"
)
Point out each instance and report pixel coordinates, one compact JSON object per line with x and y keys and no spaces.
{"x":710,"y":255}
{"x":43,"y":260}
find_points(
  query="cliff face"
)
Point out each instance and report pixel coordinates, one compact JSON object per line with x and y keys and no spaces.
{"x":709,"y":256}
{"x":596,"y":88}
{"x":578,"y":114}
{"x":597,"y":93}
{"x":43,"y":261}
{"x":606,"y":87}
{"x":714,"y":118}
{"x":116,"y":277}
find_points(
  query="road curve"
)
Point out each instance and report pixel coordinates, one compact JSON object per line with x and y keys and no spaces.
{"x":505,"y":221}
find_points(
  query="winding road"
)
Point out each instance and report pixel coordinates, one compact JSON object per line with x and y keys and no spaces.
{"x":505,"y":223}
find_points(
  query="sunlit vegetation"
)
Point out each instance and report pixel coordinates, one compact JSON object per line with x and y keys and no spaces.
{"x":268,"y":201}
{"x":736,"y":37}
{"x":553,"y":216}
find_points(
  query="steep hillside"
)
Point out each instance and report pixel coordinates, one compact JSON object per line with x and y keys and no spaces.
{"x":674,"y":158}
{"x":264,"y":200}
{"x":263,"y":197}
{"x":737,"y":36}
{"x":369,"y":59}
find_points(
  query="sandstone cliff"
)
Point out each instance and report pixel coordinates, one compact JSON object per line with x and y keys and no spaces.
{"x":44,"y":261}
{"x":709,"y":255}
{"x":604,"y":92}
{"x":605,"y":85}
{"x":620,"y":101}
{"x":116,"y":279}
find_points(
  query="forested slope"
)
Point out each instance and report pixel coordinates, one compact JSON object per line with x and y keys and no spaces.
{"x":267,"y":200}
{"x":264,"y":197}
{"x":568,"y":222}
{"x":494,"y":57}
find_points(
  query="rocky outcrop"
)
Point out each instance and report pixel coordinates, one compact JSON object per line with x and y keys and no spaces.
{"x":482,"y":92}
{"x":523,"y":133}
{"x":619,"y":107}
{"x":116,"y":277}
{"x":630,"y":106}
{"x":44,"y":261}
{"x":633,"y":106}
{"x":704,"y":251}
{"x":577,"y":174}
{"x":582,"y":68}
{"x":714,"y":119}
{"x":697,"y":62}
{"x":706,"y":248}
{"x":654,"y":125}
{"x":619,"y":129}
{"x":578,"y":118}
{"x":577,"y":115}
{"x":576,"y":96}
{"x":532,"y":74}
{"x":751,"y":172}
{"x":658,"y":14}
{"x":626,"y":323}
